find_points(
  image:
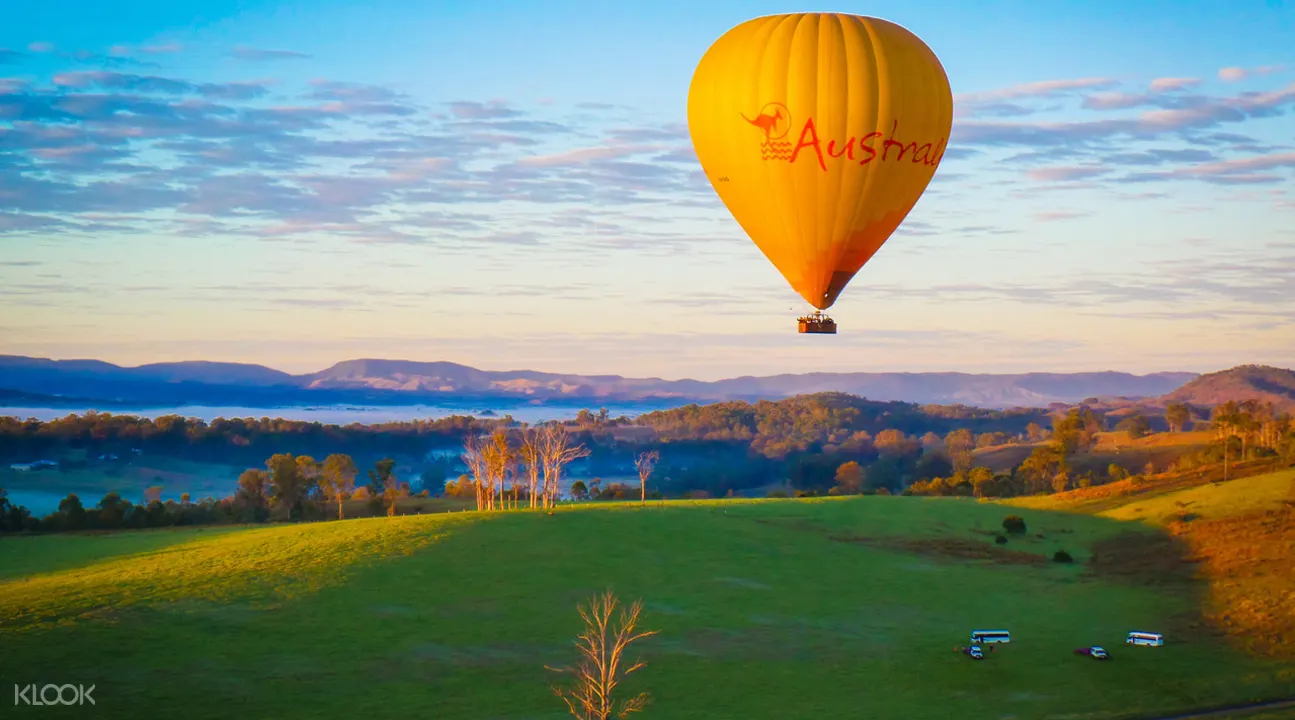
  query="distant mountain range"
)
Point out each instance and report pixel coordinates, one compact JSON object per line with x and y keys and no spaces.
{"x":26,"y":381}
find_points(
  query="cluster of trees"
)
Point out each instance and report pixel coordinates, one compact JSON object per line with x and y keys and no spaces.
{"x":1243,"y":431}
{"x":528,"y":462}
{"x":1252,"y":429}
{"x":1046,"y":469}
{"x":114,"y":512}
{"x":777,"y":429}
{"x":528,"y":465}
{"x":1178,"y":416}
{"x":930,"y":463}
{"x":296,"y":485}
{"x":801,"y":442}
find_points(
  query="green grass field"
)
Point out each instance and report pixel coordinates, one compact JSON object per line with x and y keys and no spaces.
{"x":1235,"y":497}
{"x":1159,"y":501}
{"x":825,"y":608}
{"x":1279,"y":714}
{"x":52,"y":553}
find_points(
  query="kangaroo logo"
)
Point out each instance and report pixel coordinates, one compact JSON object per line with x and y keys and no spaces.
{"x":774,"y":120}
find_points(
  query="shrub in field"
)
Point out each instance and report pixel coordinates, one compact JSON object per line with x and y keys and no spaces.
{"x":1000,"y":539}
{"x":1062,"y":556}
{"x":1014,"y":524}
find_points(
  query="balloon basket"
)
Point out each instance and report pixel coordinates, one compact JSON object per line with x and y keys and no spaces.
{"x":818,"y":324}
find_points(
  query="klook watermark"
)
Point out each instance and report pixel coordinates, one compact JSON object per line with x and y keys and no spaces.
{"x":37,"y":695}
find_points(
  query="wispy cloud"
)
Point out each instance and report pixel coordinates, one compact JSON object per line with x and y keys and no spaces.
{"x":1042,"y":88}
{"x":158,"y":49}
{"x":493,"y":110}
{"x":1049,"y":174}
{"x":162,"y":49}
{"x":153,"y":84}
{"x":1174,"y":114}
{"x":1055,"y":215}
{"x":1255,"y":170}
{"x":1171,"y":84}
{"x":1246,"y":283}
{"x":1236,"y":74}
{"x":581,"y":156}
{"x":242,"y":52}
{"x":223,"y":158}
{"x":1005,"y":102}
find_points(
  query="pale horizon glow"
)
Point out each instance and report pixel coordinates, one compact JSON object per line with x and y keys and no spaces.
{"x":511,"y":186}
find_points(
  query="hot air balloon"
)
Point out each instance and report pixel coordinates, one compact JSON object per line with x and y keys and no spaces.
{"x":819,"y":131}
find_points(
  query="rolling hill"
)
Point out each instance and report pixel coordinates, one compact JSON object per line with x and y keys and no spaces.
{"x":1234,"y":535}
{"x":843,"y":607}
{"x":1260,"y":382}
{"x":400,"y":381}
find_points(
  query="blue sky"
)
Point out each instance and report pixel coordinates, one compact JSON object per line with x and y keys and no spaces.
{"x":511,"y":185}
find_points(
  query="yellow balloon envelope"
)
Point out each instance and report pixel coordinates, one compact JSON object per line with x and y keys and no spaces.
{"x":819,"y":131}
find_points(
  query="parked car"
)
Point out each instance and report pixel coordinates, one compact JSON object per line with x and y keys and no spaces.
{"x":1093,"y":652}
{"x":974,"y":652}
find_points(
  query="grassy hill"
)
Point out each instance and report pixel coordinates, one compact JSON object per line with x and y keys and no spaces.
{"x":834,"y":607}
{"x":1212,"y":502}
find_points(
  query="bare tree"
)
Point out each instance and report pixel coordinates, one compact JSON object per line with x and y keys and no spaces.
{"x":531,"y":456}
{"x":556,"y":452}
{"x":501,"y":463}
{"x":645,"y":463}
{"x":596,"y":676}
{"x":474,"y":456}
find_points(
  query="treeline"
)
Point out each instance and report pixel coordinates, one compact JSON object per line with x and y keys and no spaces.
{"x":712,"y":449}
{"x":511,"y":467}
{"x":227,"y":440}
{"x":289,"y":488}
{"x":780,"y":428}
{"x":1244,"y":431}
{"x":774,"y":429}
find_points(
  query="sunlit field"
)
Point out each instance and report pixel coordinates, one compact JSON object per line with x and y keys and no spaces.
{"x":849,"y":607}
{"x":1236,"y":538}
{"x":1212,"y":501}
{"x":63,"y":551}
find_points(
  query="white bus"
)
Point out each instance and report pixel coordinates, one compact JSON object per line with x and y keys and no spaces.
{"x":1145,"y":638}
{"x":990,"y":636}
